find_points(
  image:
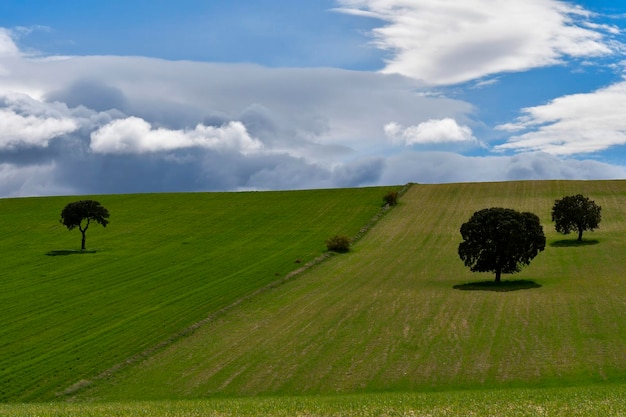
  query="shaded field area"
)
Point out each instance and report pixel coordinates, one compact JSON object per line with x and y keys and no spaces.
{"x":165,"y":262}
{"x":504,"y":286}
{"x":386,"y":316}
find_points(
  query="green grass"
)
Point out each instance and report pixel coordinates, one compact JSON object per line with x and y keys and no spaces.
{"x":387,"y":317}
{"x":165,"y":262}
{"x":397,"y":327}
{"x":592,"y":401}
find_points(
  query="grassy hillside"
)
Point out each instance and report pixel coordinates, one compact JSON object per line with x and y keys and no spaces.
{"x":386,"y":317}
{"x":165,"y":262}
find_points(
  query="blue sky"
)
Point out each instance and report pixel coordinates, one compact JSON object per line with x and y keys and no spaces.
{"x":149,"y":96}
{"x":268,"y":32}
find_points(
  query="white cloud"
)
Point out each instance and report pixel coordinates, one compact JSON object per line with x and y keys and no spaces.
{"x":8,"y":48}
{"x":431,"y":131}
{"x":25,"y":122}
{"x":17,"y":130}
{"x":135,"y":135}
{"x":573,"y":124}
{"x":449,"y":41}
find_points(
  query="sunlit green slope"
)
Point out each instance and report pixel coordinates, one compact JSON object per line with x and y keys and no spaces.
{"x":386,"y":316}
{"x":164,"y":262}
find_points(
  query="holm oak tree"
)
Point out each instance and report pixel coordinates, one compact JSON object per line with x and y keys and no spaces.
{"x":575,"y":212}
{"x":81,"y":213}
{"x":500,"y":240}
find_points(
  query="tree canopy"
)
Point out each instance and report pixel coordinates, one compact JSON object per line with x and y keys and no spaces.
{"x":500,"y":240}
{"x":575,"y":212}
{"x":81,"y":213}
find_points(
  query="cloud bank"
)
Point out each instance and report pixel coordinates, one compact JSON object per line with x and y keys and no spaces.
{"x":85,"y":125}
{"x":111,"y":124}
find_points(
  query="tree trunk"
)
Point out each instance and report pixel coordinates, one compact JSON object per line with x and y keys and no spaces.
{"x":498,"y":275}
{"x":83,"y":231}
{"x":580,"y":235}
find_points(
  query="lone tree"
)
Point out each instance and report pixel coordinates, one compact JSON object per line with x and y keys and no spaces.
{"x":575,"y":212}
{"x":500,"y":240}
{"x":81,"y":213}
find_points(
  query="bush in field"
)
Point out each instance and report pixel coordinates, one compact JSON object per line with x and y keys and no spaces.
{"x":339,"y":244}
{"x":391,"y":198}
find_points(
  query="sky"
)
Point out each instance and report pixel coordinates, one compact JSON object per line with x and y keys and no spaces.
{"x":194,"y":95}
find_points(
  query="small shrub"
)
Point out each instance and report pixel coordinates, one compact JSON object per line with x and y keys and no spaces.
{"x":339,"y":244}
{"x":391,"y":198}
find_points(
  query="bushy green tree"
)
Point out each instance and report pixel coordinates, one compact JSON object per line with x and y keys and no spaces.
{"x":575,"y":212}
{"x":81,"y":213}
{"x":500,"y":240}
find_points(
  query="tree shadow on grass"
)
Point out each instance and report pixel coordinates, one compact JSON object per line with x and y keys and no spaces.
{"x":502,"y":286}
{"x":69,"y":252}
{"x":568,"y":243}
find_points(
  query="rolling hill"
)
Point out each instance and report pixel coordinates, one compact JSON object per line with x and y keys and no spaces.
{"x":163,"y":264}
{"x":386,"y":317}
{"x":186,"y":304}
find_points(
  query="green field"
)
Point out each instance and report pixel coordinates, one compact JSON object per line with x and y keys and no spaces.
{"x":382,"y":330}
{"x":165,"y":262}
{"x":592,"y":401}
{"x":385,"y":317}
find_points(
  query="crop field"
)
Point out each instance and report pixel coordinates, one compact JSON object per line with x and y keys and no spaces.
{"x":398,"y":326}
{"x":165,"y":262}
{"x":389,"y":317}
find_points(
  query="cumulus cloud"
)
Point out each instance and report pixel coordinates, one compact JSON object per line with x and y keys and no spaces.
{"x":25,"y":122}
{"x":573,"y":124}
{"x":17,"y":130}
{"x":135,"y":135}
{"x":448,"y":42}
{"x":431,"y":131}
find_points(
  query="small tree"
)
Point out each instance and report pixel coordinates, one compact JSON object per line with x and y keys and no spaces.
{"x":74,"y":214}
{"x":391,"y":198}
{"x":575,"y":212}
{"x":500,"y":240}
{"x":339,"y":244}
